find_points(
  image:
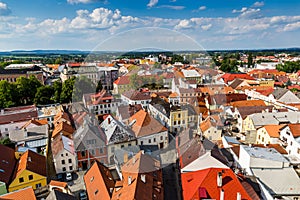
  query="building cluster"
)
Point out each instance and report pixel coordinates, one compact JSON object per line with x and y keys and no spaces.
{"x":205,"y":134}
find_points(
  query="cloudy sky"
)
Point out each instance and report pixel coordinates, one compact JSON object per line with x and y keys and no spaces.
{"x":123,"y":24}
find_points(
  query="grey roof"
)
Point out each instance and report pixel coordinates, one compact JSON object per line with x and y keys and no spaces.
{"x":248,"y":110}
{"x":29,"y":134}
{"x":231,"y":140}
{"x":275,"y":118}
{"x":265,"y":153}
{"x":58,"y":195}
{"x":284,"y":181}
{"x":279,"y":92}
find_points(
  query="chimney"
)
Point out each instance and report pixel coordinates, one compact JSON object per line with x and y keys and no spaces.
{"x":238,"y":196}
{"x":2,"y":111}
{"x":219,"y":179}
{"x":222,"y":194}
{"x":125,"y":157}
{"x":143,"y":178}
{"x":129,"y":180}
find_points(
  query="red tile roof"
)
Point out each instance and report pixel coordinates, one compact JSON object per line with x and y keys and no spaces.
{"x":62,"y":127}
{"x":58,"y":184}
{"x":295,"y":129}
{"x":228,"y":77}
{"x":145,"y":124}
{"x":99,"y":182}
{"x":204,"y":182}
{"x":17,"y":114}
{"x":122,"y":80}
{"x":22,"y":194}
{"x":7,"y":164}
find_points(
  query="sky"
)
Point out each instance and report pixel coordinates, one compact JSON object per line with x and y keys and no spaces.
{"x":136,"y":24}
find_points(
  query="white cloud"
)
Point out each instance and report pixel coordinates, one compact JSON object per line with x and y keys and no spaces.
{"x":240,"y":11}
{"x":184,"y":24}
{"x":80,"y":1}
{"x":4,"y":10}
{"x":258,"y":4}
{"x":152,"y":3}
{"x":172,"y":7}
{"x":248,"y":12}
{"x":206,"y":27}
{"x":202,"y":8}
{"x":292,"y":27}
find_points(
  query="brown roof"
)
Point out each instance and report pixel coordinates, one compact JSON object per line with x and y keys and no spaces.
{"x":145,"y":124}
{"x":248,"y":110}
{"x":98,"y":178}
{"x":33,"y":162}
{"x":221,"y":99}
{"x":295,"y":129}
{"x":7,"y":164}
{"x":22,"y":194}
{"x":17,"y":114}
{"x":137,"y":95}
{"x":63,"y":127}
{"x":248,"y":103}
{"x":61,"y":115}
{"x":58,"y":184}
{"x":126,"y":111}
{"x":122,"y":80}
{"x":140,"y":165}
{"x":37,"y":122}
{"x":278,"y":147}
{"x":274,"y":130}
{"x":206,"y":124}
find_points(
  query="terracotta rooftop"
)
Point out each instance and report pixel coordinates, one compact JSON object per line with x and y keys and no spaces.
{"x":137,"y":95}
{"x":58,"y":184}
{"x":295,"y":130}
{"x":62,"y":127}
{"x":22,"y":194}
{"x":145,"y":124}
{"x":274,"y":130}
{"x":37,"y":122}
{"x":248,"y":103}
{"x":203,"y":184}
{"x":122,"y":80}
{"x":228,"y":77}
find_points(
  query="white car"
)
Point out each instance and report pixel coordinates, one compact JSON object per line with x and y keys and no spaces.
{"x":68,"y":176}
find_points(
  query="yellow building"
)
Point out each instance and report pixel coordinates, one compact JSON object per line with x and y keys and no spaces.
{"x":267,"y":83}
{"x":178,"y":119}
{"x":30,"y":171}
{"x":268,"y":134}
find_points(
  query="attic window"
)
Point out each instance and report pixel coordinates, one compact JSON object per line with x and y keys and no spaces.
{"x":92,"y":178}
{"x":96,"y":192}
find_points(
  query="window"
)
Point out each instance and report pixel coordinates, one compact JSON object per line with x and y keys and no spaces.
{"x":30,"y":177}
{"x":122,"y":146}
{"x":149,"y":141}
{"x":92,"y":152}
{"x":70,"y":160}
{"x":66,"y":154}
{"x":6,"y":129}
{"x":21,"y":180}
{"x":64,"y":169}
{"x":83,"y":153}
{"x":154,"y":139}
{"x":71,"y":168}
{"x":161,"y":137}
{"x":92,"y":179}
{"x":178,"y":115}
{"x":62,"y":155}
{"x":38,"y":185}
{"x":63,"y":162}
{"x":100,"y":150}
{"x":142,"y":142}
{"x":129,"y":144}
{"x":96,"y":191}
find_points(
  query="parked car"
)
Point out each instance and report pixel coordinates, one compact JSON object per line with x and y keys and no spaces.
{"x":69,"y":176}
{"x":82,"y":195}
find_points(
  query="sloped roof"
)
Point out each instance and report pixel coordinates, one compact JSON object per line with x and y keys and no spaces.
{"x":62,"y":127}
{"x":228,"y":77}
{"x":97,"y":98}
{"x":248,"y":110}
{"x":61,"y":142}
{"x":22,"y":194}
{"x":98,"y":177}
{"x":207,"y":180}
{"x":221,"y":99}
{"x":295,"y":130}
{"x":17,"y":114}
{"x":279,"y":92}
{"x":58,"y":183}
{"x":37,"y":122}
{"x":7,"y":164}
{"x":137,"y":95}
{"x":126,"y":111}
{"x":273,"y":130}
{"x":58,"y":195}
{"x":33,"y":162}
{"x":206,"y":124}
{"x":145,"y":124}
{"x":248,"y":103}
{"x":122,"y":80}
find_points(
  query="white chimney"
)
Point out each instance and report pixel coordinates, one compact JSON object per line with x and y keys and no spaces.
{"x":222,"y":194}
{"x":219,"y":179}
{"x":129,"y":180}
{"x":238,"y":196}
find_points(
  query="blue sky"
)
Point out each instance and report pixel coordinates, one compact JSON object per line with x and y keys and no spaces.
{"x":124,"y":25}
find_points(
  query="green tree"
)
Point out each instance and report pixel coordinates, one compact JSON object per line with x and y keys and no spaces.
{"x":135,"y":81}
{"x":27,"y":88}
{"x":83,"y":85}
{"x":58,"y":61}
{"x":8,"y":94}
{"x":67,"y":90}
{"x":57,"y":87}
{"x":250,"y":60}
{"x":5,"y":141}
{"x":44,"y":95}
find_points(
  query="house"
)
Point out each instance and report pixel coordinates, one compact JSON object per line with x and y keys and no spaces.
{"x":117,"y":136}
{"x":148,"y":130}
{"x":34,"y":137}
{"x":7,"y":167}
{"x":212,"y":89}
{"x":124,"y":112}
{"x":274,"y":174}
{"x":216,"y":101}
{"x":134,"y":97}
{"x":290,"y":136}
{"x":107,"y":75}
{"x":268,"y":134}
{"x":16,"y":117}
{"x":256,"y":120}
{"x":63,"y":128}
{"x":212,"y":183}
{"x":284,"y":95}
{"x":22,"y":194}
{"x":34,"y":123}
{"x":121,"y":85}
{"x":229,"y":77}
{"x":100,"y":103}
{"x":50,"y":111}
{"x":141,"y":179}
{"x":99,"y":182}
{"x":30,"y":171}
{"x":210,"y":129}
{"x":60,"y":186}
{"x":89,"y":142}
{"x":64,"y":156}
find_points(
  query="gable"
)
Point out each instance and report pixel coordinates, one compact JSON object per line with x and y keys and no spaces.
{"x":25,"y":175}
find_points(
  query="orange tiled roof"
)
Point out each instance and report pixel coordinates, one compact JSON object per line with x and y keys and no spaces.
{"x":22,"y":194}
{"x":248,"y":103}
{"x":173,"y":95}
{"x":203,"y":184}
{"x":295,"y":129}
{"x":37,"y":122}
{"x":273,"y":130}
{"x":58,"y":183}
{"x":145,"y":124}
{"x":205,"y":125}
{"x":98,"y":177}
{"x":62,"y":127}
{"x":7,"y":164}
{"x":122,"y":80}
